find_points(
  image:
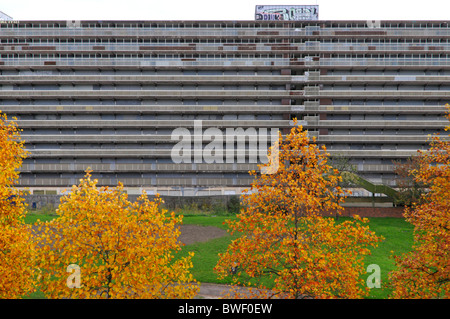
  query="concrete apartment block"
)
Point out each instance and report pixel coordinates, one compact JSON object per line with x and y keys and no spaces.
{"x":109,"y":94}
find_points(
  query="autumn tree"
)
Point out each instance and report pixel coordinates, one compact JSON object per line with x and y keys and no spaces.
{"x":287,"y":242}
{"x":122,"y":249}
{"x":410,"y":189}
{"x":16,"y":250}
{"x":425,"y":271}
{"x":347,"y":171}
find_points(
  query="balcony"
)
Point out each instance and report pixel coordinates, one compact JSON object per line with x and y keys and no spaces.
{"x":382,"y":109}
{"x":95,"y":124}
{"x":145,"y":109}
{"x":150,"y":94}
{"x":175,"y":80}
{"x":137,"y":168}
{"x":378,"y":94}
{"x":378,"y":124}
{"x":376,"y":139}
{"x":391,"y":154}
{"x":136,"y":182}
{"x":378,"y":62}
{"x":126,"y":63}
{"x":371,"y":79}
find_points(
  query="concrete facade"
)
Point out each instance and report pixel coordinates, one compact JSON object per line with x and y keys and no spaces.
{"x":108,"y":94}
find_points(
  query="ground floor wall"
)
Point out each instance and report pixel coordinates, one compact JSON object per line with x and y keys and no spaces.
{"x":374,"y":211}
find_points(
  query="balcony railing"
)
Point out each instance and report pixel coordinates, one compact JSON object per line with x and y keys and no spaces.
{"x":225,"y":62}
{"x":226,"y":47}
{"x":147,"y":62}
{"x":219,"y":32}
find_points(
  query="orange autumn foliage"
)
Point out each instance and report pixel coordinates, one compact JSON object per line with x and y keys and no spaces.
{"x":425,"y":271}
{"x":16,"y":249}
{"x":286,"y":240}
{"x":123,"y":249}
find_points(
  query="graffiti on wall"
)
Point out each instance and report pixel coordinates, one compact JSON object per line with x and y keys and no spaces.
{"x":281,"y":13}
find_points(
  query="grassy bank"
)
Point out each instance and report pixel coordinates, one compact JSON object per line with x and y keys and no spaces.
{"x":397,"y":233}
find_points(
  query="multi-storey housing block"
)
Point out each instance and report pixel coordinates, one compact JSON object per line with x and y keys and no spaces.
{"x":109,"y":94}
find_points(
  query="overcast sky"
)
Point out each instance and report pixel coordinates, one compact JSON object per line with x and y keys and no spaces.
{"x":219,"y":10}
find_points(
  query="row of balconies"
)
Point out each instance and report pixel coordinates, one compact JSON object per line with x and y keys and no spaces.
{"x":307,"y":107}
{"x":315,"y":92}
{"x":29,"y":124}
{"x":167,"y":153}
{"x":147,"y":109}
{"x":134,"y":167}
{"x":372,"y":79}
{"x":378,"y":62}
{"x":267,"y":25}
{"x":115,"y":139}
{"x":382,"y":33}
{"x":222,"y":62}
{"x":378,"y":109}
{"x":374,"y":139}
{"x":149,"y":94}
{"x":310,"y":123}
{"x":220,"y":48}
{"x":377,"y":124}
{"x":166,"y":139}
{"x":164,"y":168}
{"x":307,"y":93}
{"x":166,"y":190}
{"x":145,"y":79}
{"x":176,"y":33}
{"x":125,"y":63}
{"x":130,"y":182}
{"x":144,"y":33}
{"x":9,"y":80}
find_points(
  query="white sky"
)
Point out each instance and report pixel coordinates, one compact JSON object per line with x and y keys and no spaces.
{"x":219,"y":9}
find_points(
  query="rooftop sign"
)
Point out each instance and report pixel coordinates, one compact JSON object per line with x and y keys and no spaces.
{"x":287,"y":12}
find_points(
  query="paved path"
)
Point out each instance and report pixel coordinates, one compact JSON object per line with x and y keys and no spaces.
{"x":211,"y":291}
{"x":217,"y":291}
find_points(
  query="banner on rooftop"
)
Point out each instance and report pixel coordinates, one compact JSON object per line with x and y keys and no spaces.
{"x":286,"y":12}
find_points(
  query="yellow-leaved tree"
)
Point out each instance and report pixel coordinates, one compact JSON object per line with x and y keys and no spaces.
{"x":104,"y":246}
{"x":16,"y":249}
{"x":288,"y":247}
{"x":425,"y":271}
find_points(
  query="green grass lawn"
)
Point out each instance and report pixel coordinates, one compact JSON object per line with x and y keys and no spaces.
{"x":32,"y":218}
{"x":206,"y":254}
{"x":398,"y":236}
{"x":397,"y":233}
